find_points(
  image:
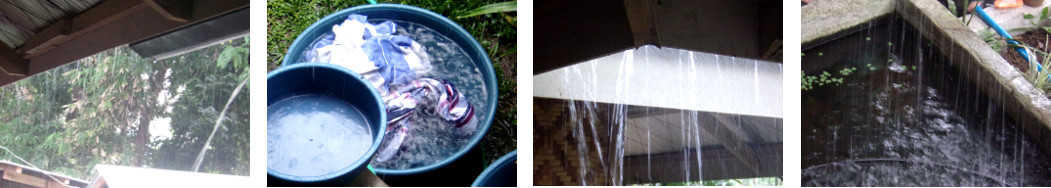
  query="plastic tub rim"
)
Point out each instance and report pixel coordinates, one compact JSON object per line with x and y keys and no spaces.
{"x":487,"y":174}
{"x":359,"y":164}
{"x":486,"y":64}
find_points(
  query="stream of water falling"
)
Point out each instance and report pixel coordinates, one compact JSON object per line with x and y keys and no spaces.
{"x":898,"y":113}
{"x":604,"y":133}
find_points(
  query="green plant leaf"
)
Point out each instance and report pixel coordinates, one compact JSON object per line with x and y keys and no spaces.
{"x":510,"y":6}
{"x":225,"y":57}
{"x":1043,"y":14}
{"x":1028,"y":16}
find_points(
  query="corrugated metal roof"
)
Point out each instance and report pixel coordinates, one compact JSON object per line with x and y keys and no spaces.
{"x":20,"y":19}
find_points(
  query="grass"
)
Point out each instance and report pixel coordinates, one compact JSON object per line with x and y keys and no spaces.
{"x":496,"y":32}
{"x":1041,"y":79}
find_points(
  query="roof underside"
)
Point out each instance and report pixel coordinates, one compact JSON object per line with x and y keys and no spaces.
{"x":743,"y":28}
{"x":20,"y":20}
{"x":39,"y":35}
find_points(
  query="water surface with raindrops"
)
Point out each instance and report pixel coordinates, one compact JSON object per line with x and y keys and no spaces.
{"x":884,"y":107}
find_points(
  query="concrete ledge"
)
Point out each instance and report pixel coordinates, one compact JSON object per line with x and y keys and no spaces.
{"x":982,"y":66}
{"x":1007,"y":18}
{"x":825,"y":19}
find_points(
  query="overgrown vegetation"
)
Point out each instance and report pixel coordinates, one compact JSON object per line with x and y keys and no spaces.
{"x":1034,"y":22}
{"x":959,"y":8}
{"x":1039,"y":79}
{"x":1038,"y":73}
{"x":992,"y":39}
{"x":491,"y":22}
{"x":102,"y":109}
{"x":998,"y":43}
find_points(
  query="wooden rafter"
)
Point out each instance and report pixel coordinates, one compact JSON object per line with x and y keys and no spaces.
{"x":175,"y":10}
{"x":11,"y":63}
{"x":106,"y":25}
{"x":90,"y":20}
{"x":49,"y":37}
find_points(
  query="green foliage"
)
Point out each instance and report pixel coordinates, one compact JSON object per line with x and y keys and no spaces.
{"x":952,"y":6}
{"x":510,"y":6}
{"x":1034,"y":21}
{"x":97,"y":110}
{"x":1041,"y":80}
{"x":992,"y":39}
{"x":809,"y":82}
{"x":192,"y":122}
{"x":824,"y":78}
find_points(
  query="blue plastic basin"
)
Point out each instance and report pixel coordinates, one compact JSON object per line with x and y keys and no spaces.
{"x":502,"y":173}
{"x":463,"y":172}
{"x":324,"y":79}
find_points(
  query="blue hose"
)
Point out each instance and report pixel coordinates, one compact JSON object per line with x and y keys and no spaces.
{"x":1021,"y":51}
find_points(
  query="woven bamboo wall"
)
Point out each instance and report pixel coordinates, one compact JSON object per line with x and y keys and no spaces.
{"x":556,"y":155}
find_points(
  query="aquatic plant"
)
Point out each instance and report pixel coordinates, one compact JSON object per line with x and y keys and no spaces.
{"x":826,"y":78}
{"x":847,"y":71}
{"x":808,"y":82}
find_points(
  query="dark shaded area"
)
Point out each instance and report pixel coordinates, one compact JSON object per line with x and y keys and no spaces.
{"x":572,"y":31}
{"x":584,"y":151}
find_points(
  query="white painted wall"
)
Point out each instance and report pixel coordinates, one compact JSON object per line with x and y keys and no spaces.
{"x":670,"y":78}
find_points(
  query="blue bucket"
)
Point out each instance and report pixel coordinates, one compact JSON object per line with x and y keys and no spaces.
{"x":323,"y":79}
{"x":466,"y":161}
{"x":502,"y":173}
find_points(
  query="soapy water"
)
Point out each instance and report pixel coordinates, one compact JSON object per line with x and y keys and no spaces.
{"x":430,"y":139}
{"x":312,"y":135}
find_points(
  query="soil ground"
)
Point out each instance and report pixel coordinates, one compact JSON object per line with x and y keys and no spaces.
{"x":1036,"y":38}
